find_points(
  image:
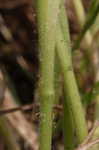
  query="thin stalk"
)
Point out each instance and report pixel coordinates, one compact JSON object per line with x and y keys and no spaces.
{"x":70,"y":86}
{"x":64,"y":24}
{"x":93,"y":58}
{"x":68,"y":128}
{"x":95,"y":61}
{"x":80,"y":12}
{"x":65,"y":31}
{"x":79,"y":7}
{"x":90,"y":19}
{"x":67,"y":115}
{"x":47,"y":14}
{"x":67,"y":120}
{"x":57,"y":83}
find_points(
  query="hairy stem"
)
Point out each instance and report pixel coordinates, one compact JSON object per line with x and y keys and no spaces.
{"x":47,"y":14}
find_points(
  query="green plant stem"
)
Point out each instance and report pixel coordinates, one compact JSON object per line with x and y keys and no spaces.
{"x":67,"y":115}
{"x":90,"y":19}
{"x":58,"y":85}
{"x":67,"y":120}
{"x":70,"y":86}
{"x":47,"y":14}
{"x":93,"y":57}
{"x":7,"y":135}
{"x":64,"y":24}
{"x":69,"y":73}
{"x":68,"y":127}
{"x":79,"y":9}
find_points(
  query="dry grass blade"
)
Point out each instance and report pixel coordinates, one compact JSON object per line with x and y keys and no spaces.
{"x":89,"y":145}
{"x":18,"y":120}
{"x":88,"y":142}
